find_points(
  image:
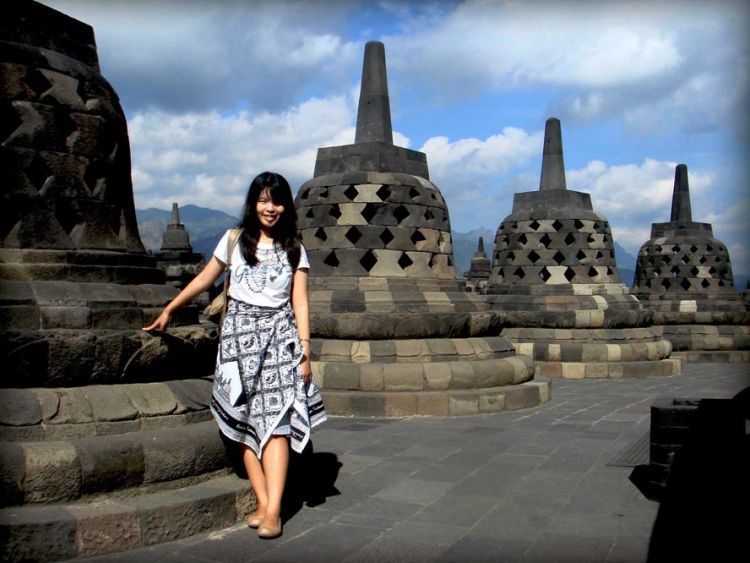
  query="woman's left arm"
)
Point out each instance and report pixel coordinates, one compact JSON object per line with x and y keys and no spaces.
{"x":301,"y":307}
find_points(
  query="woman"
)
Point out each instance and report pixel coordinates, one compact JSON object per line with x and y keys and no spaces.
{"x":263,"y":396}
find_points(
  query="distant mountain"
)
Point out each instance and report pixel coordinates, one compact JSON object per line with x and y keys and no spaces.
{"x":202,"y":225}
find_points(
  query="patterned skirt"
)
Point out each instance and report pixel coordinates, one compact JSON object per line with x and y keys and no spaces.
{"x":258,"y":383}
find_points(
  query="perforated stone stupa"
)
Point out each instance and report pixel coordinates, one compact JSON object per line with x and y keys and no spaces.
{"x":394,"y":332}
{"x":91,"y":406}
{"x":176,"y":257}
{"x":684,"y":275}
{"x":554,"y":284}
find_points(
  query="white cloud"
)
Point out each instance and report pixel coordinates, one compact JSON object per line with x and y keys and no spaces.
{"x":208,"y":159}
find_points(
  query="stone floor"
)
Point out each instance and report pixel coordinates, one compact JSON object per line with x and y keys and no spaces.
{"x":534,"y":485}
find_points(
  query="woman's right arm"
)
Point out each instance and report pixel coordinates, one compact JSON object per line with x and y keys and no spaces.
{"x":200,"y":283}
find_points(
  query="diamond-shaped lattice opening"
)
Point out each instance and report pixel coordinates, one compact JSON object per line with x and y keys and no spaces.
{"x":599,"y":255}
{"x":570,"y":239}
{"x":304,"y":194}
{"x":570,"y":273}
{"x":667,"y":260}
{"x":666,"y":283}
{"x":497,"y":255}
{"x":332,"y":260}
{"x":695,"y":271}
{"x":432,"y":195}
{"x":386,"y":236}
{"x":534,"y":225}
{"x":712,"y":270}
{"x":324,"y":193}
{"x":703,"y":260}
{"x":404,"y":261}
{"x":353,"y":235}
{"x":383,"y":193}
{"x":721,"y":283}
{"x":557,"y":225}
{"x":321,"y":234}
{"x":693,"y":248}
{"x":685,"y":259}
{"x":369,"y":211}
{"x":35,"y":80}
{"x":369,"y":260}
{"x":581,"y":255}
{"x":450,"y":261}
{"x":413,"y":192}
{"x":514,"y":226}
{"x":559,"y":257}
{"x":593,"y":272}
{"x":511,"y":255}
{"x":545,"y":240}
{"x":310,"y":214}
{"x":590,"y":239}
{"x":705,"y":283}
{"x":610,"y":272}
{"x":675,"y":249}
{"x":417,"y":236}
{"x":578,"y":225}
{"x":709,"y":248}
{"x":522,"y":239}
{"x":685,"y":284}
{"x":721,"y":248}
{"x":428,"y":215}
{"x":335,"y":211}
{"x":605,"y":239}
{"x":351,"y":192}
{"x":597,"y":226}
{"x":519,"y":273}
{"x":648,"y":283}
{"x":717,"y":259}
{"x":657,"y":249}
{"x":544,"y":274}
{"x":675,"y":271}
{"x":657,"y":271}
{"x":534,"y":257}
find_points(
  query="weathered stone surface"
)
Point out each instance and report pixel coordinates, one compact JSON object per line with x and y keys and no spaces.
{"x":52,"y":472}
{"x":19,"y":407}
{"x":12,"y":473}
{"x":37,"y":533}
{"x":107,"y":464}
{"x":106,"y":527}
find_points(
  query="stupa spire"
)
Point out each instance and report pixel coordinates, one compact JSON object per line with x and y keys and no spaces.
{"x":175,"y":214}
{"x":480,"y":247}
{"x":374,"y":113}
{"x":553,"y":167}
{"x":681,"y":196}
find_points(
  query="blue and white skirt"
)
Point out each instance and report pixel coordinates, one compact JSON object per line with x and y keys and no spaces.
{"x":258,"y":387}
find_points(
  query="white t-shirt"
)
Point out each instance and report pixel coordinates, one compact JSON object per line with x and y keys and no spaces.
{"x":269,"y":282}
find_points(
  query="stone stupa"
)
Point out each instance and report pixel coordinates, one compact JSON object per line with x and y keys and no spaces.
{"x":176,"y":257}
{"x":555,"y":287}
{"x":394,"y":332}
{"x":479,"y":270}
{"x":684,"y":275}
{"x":106,"y":440}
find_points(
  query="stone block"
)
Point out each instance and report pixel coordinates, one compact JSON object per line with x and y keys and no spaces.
{"x":109,"y":463}
{"x":614,"y":353}
{"x":432,"y":404}
{"x":340,"y":375}
{"x":336,"y":350}
{"x":365,"y":404}
{"x":53,"y":472}
{"x":400,"y":404}
{"x":12,"y":473}
{"x":573,"y":370}
{"x":410,"y":348}
{"x":491,"y":402}
{"x":339,"y":404}
{"x":117,"y":427}
{"x":437,"y":376}
{"x":549,"y":369}
{"x":109,"y":403}
{"x":360,"y":352}
{"x":105,"y":527}
{"x":463,"y":404}
{"x":37,"y":533}
{"x":191,"y":394}
{"x":169,"y":455}
{"x":463,"y":347}
{"x":69,"y":431}
{"x":19,"y":407}
{"x":462,"y":375}
{"x":403,"y":377}
{"x":151,"y":399}
{"x":596,"y":370}
{"x":179,"y":514}
{"x":73,"y":408}
{"x":371,"y":377}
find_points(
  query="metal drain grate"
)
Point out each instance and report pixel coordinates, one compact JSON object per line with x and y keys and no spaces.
{"x":637,"y":453}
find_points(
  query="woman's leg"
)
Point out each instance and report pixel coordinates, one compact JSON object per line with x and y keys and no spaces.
{"x":275,"y":463}
{"x":257,"y":480}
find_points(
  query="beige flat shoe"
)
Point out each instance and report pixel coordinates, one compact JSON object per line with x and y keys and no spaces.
{"x":269,"y":532}
{"x":254,"y":521}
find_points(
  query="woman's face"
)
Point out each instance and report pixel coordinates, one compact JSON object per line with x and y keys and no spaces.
{"x":268,"y":211}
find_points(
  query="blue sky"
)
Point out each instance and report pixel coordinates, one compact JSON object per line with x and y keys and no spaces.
{"x":218,"y":91}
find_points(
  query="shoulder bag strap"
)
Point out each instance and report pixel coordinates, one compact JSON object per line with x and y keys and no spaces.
{"x":232,"y":239}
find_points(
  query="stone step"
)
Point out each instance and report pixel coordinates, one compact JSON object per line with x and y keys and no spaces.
{"x":66,"y":413}
{"x":611,"y":370}
{"x":453,"y":402}
{"x":714,"y":356}
{"x":577,"y":351}
{"x":60,"y":471}
{"x":106,"y":525}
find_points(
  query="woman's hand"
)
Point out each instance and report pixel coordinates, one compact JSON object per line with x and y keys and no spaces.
{"x":161,"y":323}
{"x":306,"y":365}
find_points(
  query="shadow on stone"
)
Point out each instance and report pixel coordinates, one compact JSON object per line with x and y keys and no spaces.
{"x":707,"y":491}
{"x":311,"y":479}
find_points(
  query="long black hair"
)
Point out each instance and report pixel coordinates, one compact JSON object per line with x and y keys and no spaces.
{"x":284,"y":232}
